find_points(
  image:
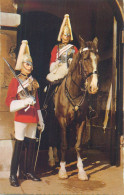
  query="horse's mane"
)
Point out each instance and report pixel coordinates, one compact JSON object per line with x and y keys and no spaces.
{"x":74,"y":62}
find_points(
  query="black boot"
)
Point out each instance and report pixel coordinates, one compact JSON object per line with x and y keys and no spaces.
{"x":51,"y":89}
{"x":30,"y":160}
{"x":91,"y":113}
{"x":15,"y":163}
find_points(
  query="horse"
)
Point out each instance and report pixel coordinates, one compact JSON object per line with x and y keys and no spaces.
{"x":70,"y":100}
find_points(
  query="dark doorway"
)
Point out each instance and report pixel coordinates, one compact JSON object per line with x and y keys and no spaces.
{"x":41,"y":30}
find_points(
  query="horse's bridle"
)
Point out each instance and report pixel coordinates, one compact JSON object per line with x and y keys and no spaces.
{"x":81,"y":69}
{"x":71,"y":100}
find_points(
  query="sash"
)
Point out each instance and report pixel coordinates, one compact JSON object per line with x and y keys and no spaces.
{"x":64,"y":49}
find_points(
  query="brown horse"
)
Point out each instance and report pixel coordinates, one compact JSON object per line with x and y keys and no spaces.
{"x":71,"y":99}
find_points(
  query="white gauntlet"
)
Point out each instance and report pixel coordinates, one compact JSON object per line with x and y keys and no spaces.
{"x":20,"y":104}
{"x":41,"y":121}
{"x":54,"y":65}
{"x":29,"y":101}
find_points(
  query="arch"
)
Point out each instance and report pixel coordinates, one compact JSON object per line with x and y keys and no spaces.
{"x":88,"y":18}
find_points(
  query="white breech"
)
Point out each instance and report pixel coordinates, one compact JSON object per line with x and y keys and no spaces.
{"x":25,"y":130}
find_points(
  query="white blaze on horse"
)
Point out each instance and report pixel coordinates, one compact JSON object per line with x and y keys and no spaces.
{"x":70,"y":100}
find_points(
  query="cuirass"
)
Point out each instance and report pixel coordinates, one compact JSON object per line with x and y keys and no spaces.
{"x":66,"y":55}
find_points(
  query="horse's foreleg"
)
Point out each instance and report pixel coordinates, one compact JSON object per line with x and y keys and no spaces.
{"x":63,"y":144}
{"x":62,"y":170}
{"x":81,"y":173}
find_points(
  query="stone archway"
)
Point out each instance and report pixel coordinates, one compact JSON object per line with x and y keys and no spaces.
{"x":8,"y":39}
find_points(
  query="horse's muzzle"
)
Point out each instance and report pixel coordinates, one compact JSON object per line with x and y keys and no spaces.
{"x":93,"y":90}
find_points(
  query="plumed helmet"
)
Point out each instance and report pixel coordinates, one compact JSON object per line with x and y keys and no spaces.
{"x":24,"y":55}
{"x":65,"y":28}
{"x":27,"y":58}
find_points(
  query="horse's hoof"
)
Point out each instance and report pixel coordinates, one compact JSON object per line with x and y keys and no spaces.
{"x":82,"y":176}
{"x":63,"y":175}
{"x":52,"y":163}
{"x":56,"y":159}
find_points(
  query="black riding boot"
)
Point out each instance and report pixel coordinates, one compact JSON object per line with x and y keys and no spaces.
{"x":30,"y":160}
{"x":49,"y":94}
{"x":15,"y":163}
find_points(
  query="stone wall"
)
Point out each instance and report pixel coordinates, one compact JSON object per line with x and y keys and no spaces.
{"x":9,"y":20}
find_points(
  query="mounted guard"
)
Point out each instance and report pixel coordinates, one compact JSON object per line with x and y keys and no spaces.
{"x":61,"y":57}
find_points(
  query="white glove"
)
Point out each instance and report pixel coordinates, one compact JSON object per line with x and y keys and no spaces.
{"x":20,"y":104}
{"x":41,"y":121}
{"x":29,"y":101}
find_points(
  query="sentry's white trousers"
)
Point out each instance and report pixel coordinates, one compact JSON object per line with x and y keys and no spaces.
{"x":25,"y":130}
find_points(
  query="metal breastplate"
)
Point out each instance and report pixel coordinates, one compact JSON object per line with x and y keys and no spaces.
{"x":66,"y":55}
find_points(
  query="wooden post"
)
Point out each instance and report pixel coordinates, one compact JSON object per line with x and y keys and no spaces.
{"x":122,"y":137}
{"x":113,"y":101}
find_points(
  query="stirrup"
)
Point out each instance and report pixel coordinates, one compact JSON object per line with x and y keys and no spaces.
{"x":44,"y":107}
{"x":91,"y":113}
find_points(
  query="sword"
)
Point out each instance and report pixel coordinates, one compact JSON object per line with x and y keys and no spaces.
{"x":12,"y":70}
{"x":39,"y":139}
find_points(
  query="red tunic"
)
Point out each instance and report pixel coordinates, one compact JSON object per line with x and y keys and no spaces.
{"x":31,"y":115}
{"x":54,"y":52}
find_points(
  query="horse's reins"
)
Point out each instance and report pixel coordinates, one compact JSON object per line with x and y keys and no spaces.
{"x":71,"y":100}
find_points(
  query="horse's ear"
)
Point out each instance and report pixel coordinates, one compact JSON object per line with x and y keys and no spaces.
{"x":95,"y":41}
{"x":82,"y":42}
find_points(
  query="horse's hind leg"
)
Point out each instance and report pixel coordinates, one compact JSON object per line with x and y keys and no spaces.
{"x":62,"y":170}
{"x":81,"y":173}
